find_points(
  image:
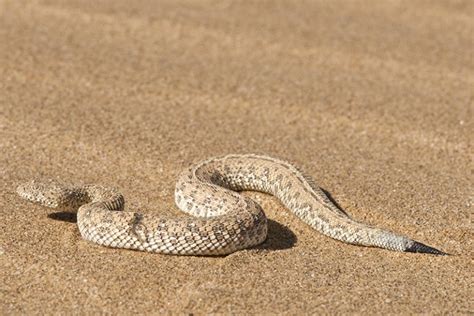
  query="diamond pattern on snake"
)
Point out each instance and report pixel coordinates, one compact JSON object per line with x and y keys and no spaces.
{"x":221,"y":220}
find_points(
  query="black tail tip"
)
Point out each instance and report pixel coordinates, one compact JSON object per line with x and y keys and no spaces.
{"x":422,"y":248}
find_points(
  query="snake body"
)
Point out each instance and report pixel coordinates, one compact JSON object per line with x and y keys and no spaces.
{"x":223,"y":221}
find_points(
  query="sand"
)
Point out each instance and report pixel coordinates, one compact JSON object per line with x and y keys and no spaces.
{"x":372,"y":98}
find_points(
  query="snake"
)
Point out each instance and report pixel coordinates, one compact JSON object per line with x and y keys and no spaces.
{"x":220,"y":220}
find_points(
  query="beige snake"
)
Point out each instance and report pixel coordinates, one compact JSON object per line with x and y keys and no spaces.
{"x":223,"y":220}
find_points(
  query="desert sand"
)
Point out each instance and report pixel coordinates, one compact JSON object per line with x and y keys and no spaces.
{"x":371,"y":98}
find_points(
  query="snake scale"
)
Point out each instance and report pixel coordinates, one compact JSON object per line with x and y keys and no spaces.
{"x":223,"y":221}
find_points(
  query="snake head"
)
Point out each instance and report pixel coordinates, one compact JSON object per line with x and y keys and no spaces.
{"x":49,"y":193}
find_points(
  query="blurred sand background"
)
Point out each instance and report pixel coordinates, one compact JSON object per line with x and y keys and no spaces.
{"x":372,"y":98}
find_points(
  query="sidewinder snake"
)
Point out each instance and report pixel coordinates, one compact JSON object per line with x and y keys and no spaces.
{"x":223,"y":221}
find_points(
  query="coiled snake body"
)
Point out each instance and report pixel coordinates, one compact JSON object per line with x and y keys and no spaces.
{"x":223,"y":220}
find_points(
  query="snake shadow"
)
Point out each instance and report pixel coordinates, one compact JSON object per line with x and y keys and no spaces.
{"x":279,"y":236}
{"x":333,"y":201}
{"x":64,"y":216}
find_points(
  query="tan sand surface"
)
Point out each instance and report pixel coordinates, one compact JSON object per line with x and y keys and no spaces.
{"x":372,"y":98}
